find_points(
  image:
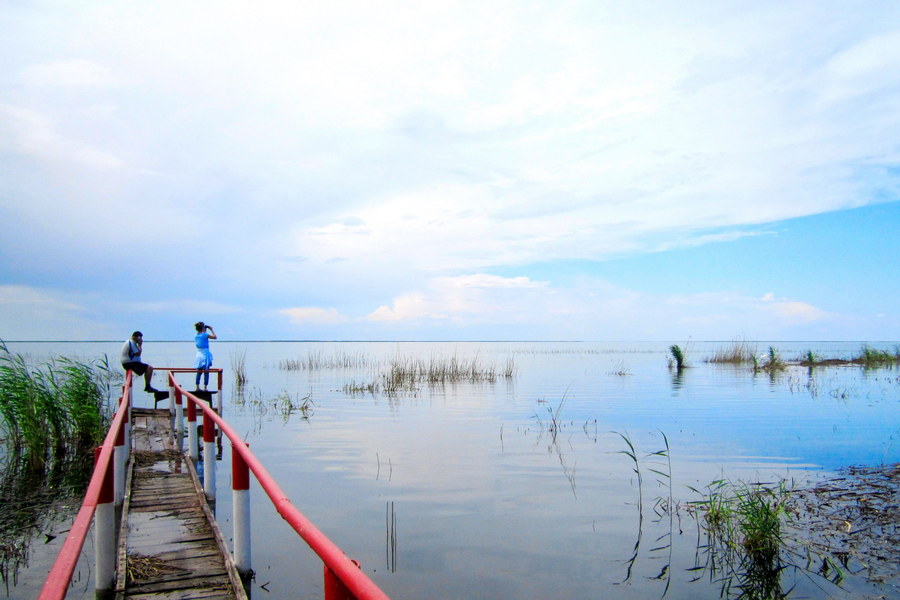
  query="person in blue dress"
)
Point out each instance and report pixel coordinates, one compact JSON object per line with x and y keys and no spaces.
{"x":204,"y":356}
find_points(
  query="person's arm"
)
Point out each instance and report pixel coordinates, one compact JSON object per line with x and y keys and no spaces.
{"x":212,"y":333}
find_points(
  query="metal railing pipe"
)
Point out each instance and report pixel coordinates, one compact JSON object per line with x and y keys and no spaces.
{"x":347,"y":571}
{"x":57,"y":583}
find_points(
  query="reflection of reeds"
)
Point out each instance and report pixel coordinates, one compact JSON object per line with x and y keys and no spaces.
{"x":390,"y":548}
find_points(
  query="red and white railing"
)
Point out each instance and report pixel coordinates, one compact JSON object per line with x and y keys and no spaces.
{"x":343,"y":578}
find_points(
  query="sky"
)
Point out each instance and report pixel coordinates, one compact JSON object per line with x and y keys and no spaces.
{"x":433,"y":170}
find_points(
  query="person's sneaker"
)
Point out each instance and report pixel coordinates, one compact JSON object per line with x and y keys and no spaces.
{"x":151,"y":390}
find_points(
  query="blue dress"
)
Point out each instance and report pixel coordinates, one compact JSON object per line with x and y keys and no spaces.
{"x":204,"y":356}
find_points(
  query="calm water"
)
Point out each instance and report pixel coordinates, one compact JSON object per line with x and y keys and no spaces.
{"x":484,"y":502}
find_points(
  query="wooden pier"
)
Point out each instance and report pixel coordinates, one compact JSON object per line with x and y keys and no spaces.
{"x":170,"y":546}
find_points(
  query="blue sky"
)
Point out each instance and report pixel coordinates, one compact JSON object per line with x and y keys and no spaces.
{"x":450,"y":170}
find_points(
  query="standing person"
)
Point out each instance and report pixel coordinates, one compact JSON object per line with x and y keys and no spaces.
{"x":204,"y":356}
{"x":131,"y":360}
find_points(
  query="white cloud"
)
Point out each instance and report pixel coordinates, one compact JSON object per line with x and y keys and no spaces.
{"x":399,"y":150}
{"x":23,"y":130}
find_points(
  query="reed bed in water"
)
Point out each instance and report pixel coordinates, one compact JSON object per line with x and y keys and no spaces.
{"x":52,"y":409}
{"x":315,"y":360}
{"x":409,"y":373}
{"x":738,"y":352}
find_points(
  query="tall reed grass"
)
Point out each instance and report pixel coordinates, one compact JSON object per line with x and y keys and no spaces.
{"x":315,"y":360}
{"x":409,"y":373}
{"x":51,"y":409}
{"x":738,"y":352}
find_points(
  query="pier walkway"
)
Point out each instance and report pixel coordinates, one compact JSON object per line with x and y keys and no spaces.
{"x":166,"y":544}
{"x":170,"y":546}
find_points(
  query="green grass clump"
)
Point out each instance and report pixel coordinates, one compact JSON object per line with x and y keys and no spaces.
{"x":744,"y":521}
{"x":52,"y":409}
{"x":678,"y":356}
{"x":872,"y":357}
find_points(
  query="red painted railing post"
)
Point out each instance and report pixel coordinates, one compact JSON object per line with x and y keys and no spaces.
{"x":240,"y":494}
{"x":105,"y":531}
{"x":192,"y":430}
{"x":209,"y":457}
{"x":179,"y":418}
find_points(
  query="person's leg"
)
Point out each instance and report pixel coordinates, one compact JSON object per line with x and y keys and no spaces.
{"x":197,"y":383}
{"x":206,"y":379}
{"x":148,"y":374}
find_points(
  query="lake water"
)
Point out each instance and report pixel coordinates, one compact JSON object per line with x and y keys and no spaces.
{"x":463,"y":491}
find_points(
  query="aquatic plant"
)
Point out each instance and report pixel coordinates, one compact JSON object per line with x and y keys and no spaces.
{"x":410,"y":373}
{"x":872,"y":357}
{"x":239,"y":366}
{"x":315,"y":360}
{"x":677,"y":356}
{"x":744,"y":524}
{"x":772,"y":363}
{"x":59,"y":406}
{"x":739,"y":352}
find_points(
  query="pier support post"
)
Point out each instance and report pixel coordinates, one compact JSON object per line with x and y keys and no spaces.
{"x":209,"y":458}
{"x":240,"y":493}
{"x":105,"y":533}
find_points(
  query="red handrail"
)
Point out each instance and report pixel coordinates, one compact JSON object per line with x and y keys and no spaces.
{"x":334,"y":559}
{"x":57,"y":583}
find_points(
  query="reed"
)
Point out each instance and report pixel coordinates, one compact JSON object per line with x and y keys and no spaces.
{"x":773,"y":361}
{"x":410,"y":373}
{"x":745,"y":518}
{"x":872,"y":357}
{"x":739,"y":352}
{"x":51,"y":409}
{"x":677,"y":356}
{"x":239,"y":367}
{"x":316,"y":360}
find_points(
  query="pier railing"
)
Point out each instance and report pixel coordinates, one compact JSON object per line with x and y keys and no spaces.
{"x":343,"y":578}
{"x":98,"y":507}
